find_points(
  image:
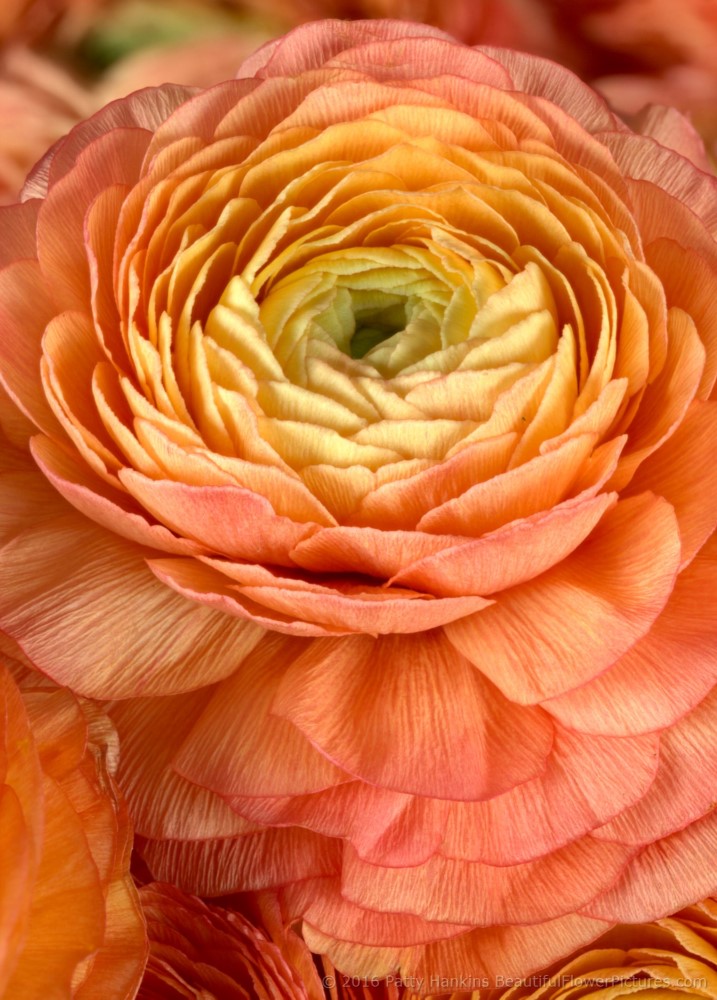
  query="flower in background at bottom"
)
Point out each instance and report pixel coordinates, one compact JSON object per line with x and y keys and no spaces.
{"x":70,"y":921}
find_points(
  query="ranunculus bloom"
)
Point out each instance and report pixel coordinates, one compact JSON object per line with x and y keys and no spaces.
{"x":70,"y":920}
{"x":373,"y":431}
{"x":209,"y":951}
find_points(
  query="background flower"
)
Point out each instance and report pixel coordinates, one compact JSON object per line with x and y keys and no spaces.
{"x":69,"y":913}
{"x":372,"y":389}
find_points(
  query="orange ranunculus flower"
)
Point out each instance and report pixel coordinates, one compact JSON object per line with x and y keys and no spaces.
{"x":70,"y":920}
{"x":373,"y":431}
{"x":200,"y":950}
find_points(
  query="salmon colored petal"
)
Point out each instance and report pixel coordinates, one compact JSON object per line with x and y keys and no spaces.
{"x":664,"y":876}
{"x":684,"y":472}
{"x":586,"y":778}
{"x":161,"y":802}
{"x":298,"y":611}
{"x":685,"y":633}
{"x":249,"y":863}
{"x":445,"y":890}
{"x":688,"y":761}
{"x":510,"y":952}
{"x":622,"y":557}
{"x":321,"y":905}
{"x":237,"y":732}
{"x":25,"y":310}
{"x":70,"y":622}
{"x":100,"y":502}
{"x":216,"y":516}
{"x":423,"y":708}
{"x":511,"y":555}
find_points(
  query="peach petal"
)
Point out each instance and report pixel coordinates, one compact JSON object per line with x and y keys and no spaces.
{"x":218,"y":517}
{"x":620,"y":580}
{"x":685,"y":779}
{"x":401,"y":504}
{"x":665,"y":401}
{"x":536,"y":486}
{"x":19,"y":223}
{"x":649,"y":161}
{"x":509,"y":556}
{"x":72,"y":618}
{"x":684,"y":633}
{"x":237,"y":731}
{"x":113,"y":158}
{"x":510,"y":952}
{"x":373,"y":610}
{"x":422,"y":708}
{"x":445,"y":890}
{"x":319,"y":903}
{"x":672,"y":129}
{"x":687,"y":279}
{"x":255,"y":861}
{"x":385,"y":827}
{"x":107,"y":507}
{"x":310,"y":47}
{"x":367,"y":550}
{"x":604,"y":777}
{"x":162,"y":804}
{"x":684,"y":472}
{"x":25,"y":311}
{"x":663,"y":877}
{"x":210,"y":588}
{"x":146,"y":109}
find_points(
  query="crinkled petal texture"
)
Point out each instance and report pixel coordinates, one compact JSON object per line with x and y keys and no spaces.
{"x":70,"y":919}
{"x":370,"y":395}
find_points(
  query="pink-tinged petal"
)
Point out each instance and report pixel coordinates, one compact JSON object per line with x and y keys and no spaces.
{"x":145,"y":109}
{"x":114,"y":158}
{"x":567,"y":626}
{"x":368,"y":551}
{"x":98,"y":501}
{"x":546,"y":79}
{"x":422,"y":707}
{"x":687,"y":277}
{"x":227,"y":747}
{"x":319,"y":903}
{"x":535,"y":486}
{"x":663,"y":877}
{"x":310,"y":46}
{"x":204,"y":585}
{"x":231,"y":521}
{"x":403,"y":503}
{"x":510,"y":952}
{"x":18,"y":223}
{"x":84,"y":607}
{"x":161,"y":803}
{"x":587,"y":779}
{"x":376,"y":611}
{"x":685,"y":780}
{"x":671,"y":128}
{"x":255,"y":861}
{"x":643,"y":160}
{"x":684,"y":634}
{"x":665,"y":401}
{"x":509,"y":556}
{"x":445,"y":890}
{"x":385,"y":827}
{"x":25,"y":311}
{"x":684,"y":472}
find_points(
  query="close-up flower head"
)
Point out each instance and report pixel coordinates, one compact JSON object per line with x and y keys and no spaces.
{"x":360,"y":460}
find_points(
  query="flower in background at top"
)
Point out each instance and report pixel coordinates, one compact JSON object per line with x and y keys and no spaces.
{"x":373,"y":431}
